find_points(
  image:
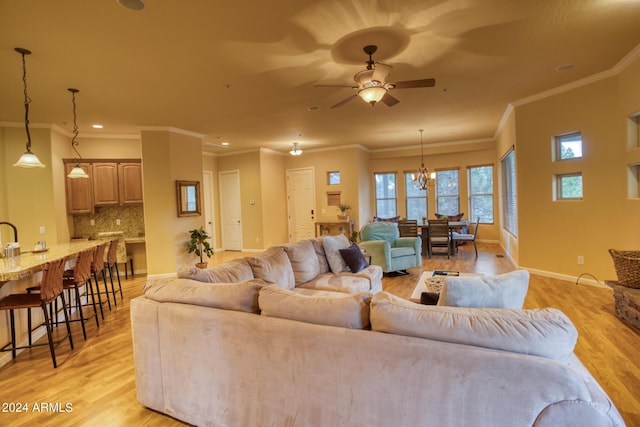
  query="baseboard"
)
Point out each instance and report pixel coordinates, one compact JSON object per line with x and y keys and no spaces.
{"x":574,"y":279}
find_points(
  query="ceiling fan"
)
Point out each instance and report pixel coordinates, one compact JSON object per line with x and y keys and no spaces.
{"x":372,"y":83}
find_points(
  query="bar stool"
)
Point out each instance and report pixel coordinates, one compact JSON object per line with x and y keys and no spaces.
{"x":112,"y":262}
{"x":97,"y":265}
{"x":82,"y":278}
{"x":50,"y":289}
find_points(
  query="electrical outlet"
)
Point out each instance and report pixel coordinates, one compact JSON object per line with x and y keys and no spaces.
{"x":257,"y":240}
{"x":117,"y":222}
{"x":92,"y":222}
{"x":43,"y":229}
{"x":580,"y":259}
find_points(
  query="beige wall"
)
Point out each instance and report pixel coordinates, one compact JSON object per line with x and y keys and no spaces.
{"x":274,"y":197}
{"x":167,"y":156}
{"x":552,"y":234}
{"x":210,"y":164}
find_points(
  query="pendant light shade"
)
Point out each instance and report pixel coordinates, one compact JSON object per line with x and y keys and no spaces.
{"x":77,"y":171}
{"x":28,"y":159}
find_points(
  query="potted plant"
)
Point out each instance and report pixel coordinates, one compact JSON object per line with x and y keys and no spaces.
{"x":344,"y":211}
{"x":199,"y":245}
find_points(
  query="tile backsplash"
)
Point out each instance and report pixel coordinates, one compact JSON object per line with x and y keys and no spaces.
{"x":131,"y":221}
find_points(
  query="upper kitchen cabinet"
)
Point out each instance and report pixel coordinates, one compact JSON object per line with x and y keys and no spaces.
{"x":105,"y":184}
{"x":130,"y":181}
{"x":79,"y":190}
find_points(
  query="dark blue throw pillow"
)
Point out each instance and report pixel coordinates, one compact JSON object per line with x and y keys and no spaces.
{"x":354,"y":258}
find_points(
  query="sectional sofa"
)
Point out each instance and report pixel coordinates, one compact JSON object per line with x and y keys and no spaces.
{"x":260,"y":342}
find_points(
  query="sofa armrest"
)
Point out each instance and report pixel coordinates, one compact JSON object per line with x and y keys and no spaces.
{"x":379,"y":251}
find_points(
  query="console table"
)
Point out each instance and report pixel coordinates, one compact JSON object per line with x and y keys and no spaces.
{"x":330,"y":228}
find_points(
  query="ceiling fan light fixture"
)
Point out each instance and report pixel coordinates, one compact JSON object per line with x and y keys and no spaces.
{"x":373,"y":94}
{"x":295,"y":150}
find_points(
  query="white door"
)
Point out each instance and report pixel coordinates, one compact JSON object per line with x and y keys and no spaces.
{"x":230,"y":212}
{"x":209,"y":214}
{"x":301,"y":204}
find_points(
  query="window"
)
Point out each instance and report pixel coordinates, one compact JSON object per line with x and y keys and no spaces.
{"x":447,"y":192}
{"x":509,"y":194}
{"x":385,"y":194}
{"x":333,"y":178}
{"x":481,"y":193}
{"x":634,"y":181}
{"x":568,"y":146}
{"x":633,"y":131}
{"x":416,"y":199}
{"x":569,"y":186}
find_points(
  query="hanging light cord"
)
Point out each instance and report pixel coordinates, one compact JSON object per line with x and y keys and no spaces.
{"x":27,"y":101}
{"x":421,"y":149}
{"x":74,"y":143}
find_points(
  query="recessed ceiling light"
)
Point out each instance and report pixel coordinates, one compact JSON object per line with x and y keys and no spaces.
{"x":564,"y":67}
{"x":225,"y":143}
{"x":97,"y":126}
{"x":313,"y":108}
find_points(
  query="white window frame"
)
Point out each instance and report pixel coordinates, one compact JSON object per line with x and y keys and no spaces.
{"x":395,"y":199}
{"x":472,"y":195}
{"x":509,"y":192}
{"x":440,"y":197}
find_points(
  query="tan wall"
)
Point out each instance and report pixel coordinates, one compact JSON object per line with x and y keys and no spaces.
{"x":274,"y":197}
{"x":553,"y":234}
{"x":109,"y":148}
{"x":168,"y":156}
{"x":409,"y":161}
{"x":210,"y":164}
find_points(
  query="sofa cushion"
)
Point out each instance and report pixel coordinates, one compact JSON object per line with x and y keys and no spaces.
{"x":303,"y":260}
{"x":322,"y":308}
{"x":323,"y":264}
{"x":354,"y":258}
{"x":242,"y":296}
{"x":502,"y":291}
{"x":548,"y":332}
{"x":273,"y":266}
{"x":230,"y":272}
{"x":332,"y":246}
{"x":403,"y":251}
{"x":343,"y":282}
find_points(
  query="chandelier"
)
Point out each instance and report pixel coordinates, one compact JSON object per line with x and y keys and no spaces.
{"x":77,"y":171}
{"x":422,"y":179}
{"x":28,"y":159}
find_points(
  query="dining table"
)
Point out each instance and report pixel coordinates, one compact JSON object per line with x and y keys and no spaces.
{"x":423,"y":230}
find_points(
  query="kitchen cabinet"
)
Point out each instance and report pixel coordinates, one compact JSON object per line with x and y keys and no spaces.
{"x":105,"y":184}
{"x":79,"y":190}
{"x":130,"y":183}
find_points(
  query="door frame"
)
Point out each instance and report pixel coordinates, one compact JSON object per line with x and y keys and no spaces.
{"x":209,"y":205}
{"x":312,"y":171}
{"x":223,"y":233}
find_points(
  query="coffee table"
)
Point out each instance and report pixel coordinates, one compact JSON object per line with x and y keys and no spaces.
{"x":430,"y":283}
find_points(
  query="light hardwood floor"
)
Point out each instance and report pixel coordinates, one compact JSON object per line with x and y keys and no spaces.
{"x":97,"y":378}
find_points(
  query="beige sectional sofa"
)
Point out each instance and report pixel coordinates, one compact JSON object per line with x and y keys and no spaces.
{"x":248,"y":353}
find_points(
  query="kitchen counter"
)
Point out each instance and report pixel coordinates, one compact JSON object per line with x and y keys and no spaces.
{"x":27,"y":263}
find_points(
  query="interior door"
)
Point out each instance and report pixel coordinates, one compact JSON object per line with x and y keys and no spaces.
{"x":209,"y":214}
{"x":230,"y":212}
{"x":301,"y":204}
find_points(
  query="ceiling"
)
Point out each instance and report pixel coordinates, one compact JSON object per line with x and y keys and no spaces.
{"x":244,"y":71}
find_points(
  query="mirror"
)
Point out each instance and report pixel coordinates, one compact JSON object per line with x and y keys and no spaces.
{"x":188,"y":193}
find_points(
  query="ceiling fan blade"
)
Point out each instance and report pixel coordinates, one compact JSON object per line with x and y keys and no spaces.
{"x":344,"y":101}
{"x":381,"y":72}
{"x":389,"y":100}
{"x":414,"y":83}
{"x":352,"y":87}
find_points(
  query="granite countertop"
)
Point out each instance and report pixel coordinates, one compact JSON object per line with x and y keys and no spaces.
{"x":28,"y":262}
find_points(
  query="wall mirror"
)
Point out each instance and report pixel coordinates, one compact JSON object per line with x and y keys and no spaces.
{"x":188,"y":193}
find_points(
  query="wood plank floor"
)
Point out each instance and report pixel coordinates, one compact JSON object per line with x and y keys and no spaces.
{"x":97,"y":378}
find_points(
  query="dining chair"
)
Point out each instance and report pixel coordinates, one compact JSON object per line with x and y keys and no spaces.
{"x":439,"y":235}
{"x":408,"y":228}
{"x":467,"y":237}
{"x":50,"y":289}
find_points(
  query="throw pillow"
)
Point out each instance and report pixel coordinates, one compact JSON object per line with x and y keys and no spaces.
{"x":547,"y":333}
{"x":321,"y":308}
{"x":273,"y":266}
{"x":241,"y":296}
{"x":354,"y":258}
{"x":501,"y":291}
{"x":332,"y":246}
{"x":304,"y":261}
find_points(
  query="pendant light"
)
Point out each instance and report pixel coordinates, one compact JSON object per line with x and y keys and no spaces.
{"x":295,"y":150}
{"x":422,"y":179}
{"x":77,"y":171}
{"x":28,"y":159}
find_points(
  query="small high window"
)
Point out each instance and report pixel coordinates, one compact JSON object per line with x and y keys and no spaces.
{"x":633,"y":131}
{"x":634,"y":181}
{"x":569,"y":186}
{"x":568,"y":146}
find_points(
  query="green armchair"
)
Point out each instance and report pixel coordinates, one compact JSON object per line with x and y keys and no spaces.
{"x":387,"y":249}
